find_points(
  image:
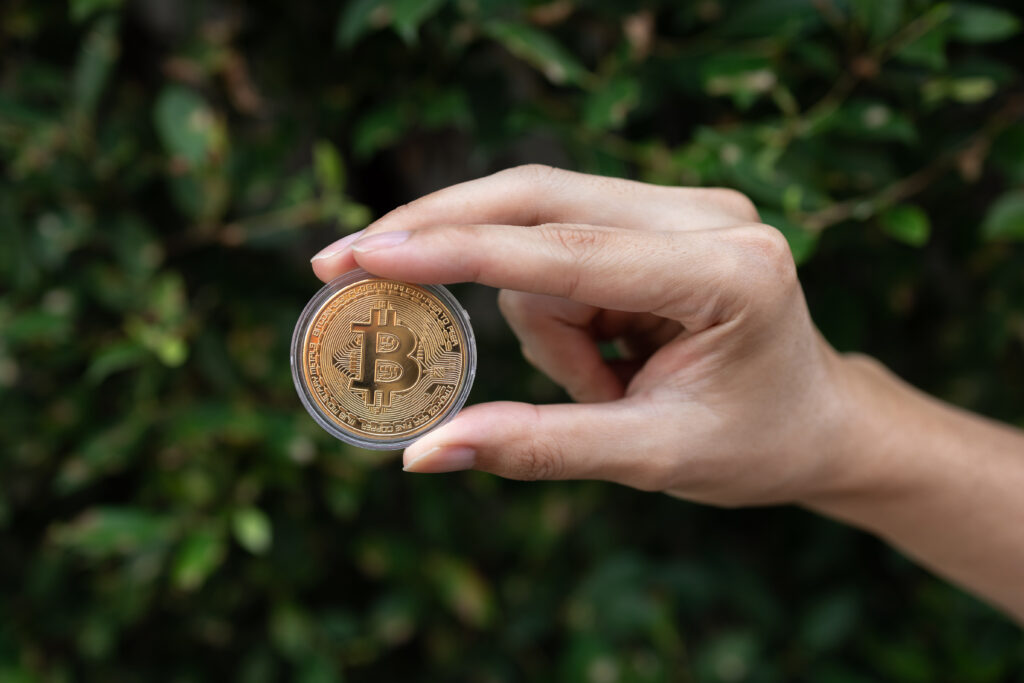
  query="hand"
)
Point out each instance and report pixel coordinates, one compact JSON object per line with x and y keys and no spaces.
{"x":727,"y":394}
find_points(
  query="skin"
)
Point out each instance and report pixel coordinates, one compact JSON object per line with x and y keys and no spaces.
{"x":728,"y":395}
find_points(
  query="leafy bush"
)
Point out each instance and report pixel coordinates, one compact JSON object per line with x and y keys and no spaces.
{"x":169,"y":512}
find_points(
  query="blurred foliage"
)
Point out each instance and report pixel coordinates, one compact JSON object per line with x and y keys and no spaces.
{"x":169,"y":512}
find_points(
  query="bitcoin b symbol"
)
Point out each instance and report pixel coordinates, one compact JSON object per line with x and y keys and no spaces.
{"x":387,"y":364}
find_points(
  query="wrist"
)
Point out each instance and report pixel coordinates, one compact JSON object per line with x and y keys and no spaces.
{"x":933,"y":480}
{"x":899,"y":448}
{"x":873,"y":451}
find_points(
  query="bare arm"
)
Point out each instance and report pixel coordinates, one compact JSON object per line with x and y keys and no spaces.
{"x":730,"y":395}
{"x":944,"y":485}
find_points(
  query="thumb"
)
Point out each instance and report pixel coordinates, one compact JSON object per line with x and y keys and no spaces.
{"x":613,"y":441}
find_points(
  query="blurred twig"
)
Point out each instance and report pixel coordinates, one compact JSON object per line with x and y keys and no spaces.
{"x":863,"y":67}
{"x":260,"y":225}
{"x":967,"y":157}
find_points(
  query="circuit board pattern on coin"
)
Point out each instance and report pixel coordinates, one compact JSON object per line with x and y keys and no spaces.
{"x":384,"y":359}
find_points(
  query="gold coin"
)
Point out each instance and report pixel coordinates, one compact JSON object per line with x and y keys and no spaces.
{"x":385,"y":361}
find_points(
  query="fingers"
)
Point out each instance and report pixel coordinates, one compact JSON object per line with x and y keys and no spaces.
{"x":613,"y":441}
{"x":336,"y":258}
{"x":636,"y":335}
{"x":560,"y":338}
{"x":685,"y":276}
{"x":556,"y":339}
{"x":535,"y":194}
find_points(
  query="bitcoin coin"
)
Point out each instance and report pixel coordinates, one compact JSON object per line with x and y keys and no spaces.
{"x":378,"y":363}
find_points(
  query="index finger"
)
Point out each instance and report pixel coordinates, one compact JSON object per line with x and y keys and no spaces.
{"x":693,"y":277}
{"x":536,"y":194}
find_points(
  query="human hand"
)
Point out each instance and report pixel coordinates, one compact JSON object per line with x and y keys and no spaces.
{"x":728,"y":394}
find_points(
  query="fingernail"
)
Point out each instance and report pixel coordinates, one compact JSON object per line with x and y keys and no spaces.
{"x":381,"y":240}
{"x":443,"y":459}
{"x":338,"y":247}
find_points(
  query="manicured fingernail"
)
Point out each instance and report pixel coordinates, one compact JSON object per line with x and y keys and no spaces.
{"x":337,"y":247}
{"x":443,"y":459}
{"x":381,"y":240}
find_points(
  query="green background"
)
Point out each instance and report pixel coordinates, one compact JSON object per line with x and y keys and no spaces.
{"x":168,"y":511}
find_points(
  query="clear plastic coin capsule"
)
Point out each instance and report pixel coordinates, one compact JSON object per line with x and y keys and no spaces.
{"x":378,"y":363}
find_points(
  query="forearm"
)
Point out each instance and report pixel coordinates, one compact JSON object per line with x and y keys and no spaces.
{"x":943,"y":485}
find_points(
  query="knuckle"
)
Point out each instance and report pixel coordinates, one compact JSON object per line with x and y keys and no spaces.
{"x":535,"y":172}
{"x":766,"y":252}
{"x":736,"y":203}
{"x":658,"y":470}
{"x":675,"y":297}
{"x":513,"y":305}
{"x":537,"y":460}
{"x":651,"y":480}
{"x":528,"y":356}
{"x":507,"y":303}
{"x":577,"y":246}
{"x":458,"y":234}
{"x":576,"y":241}
{"x":402,"y":209}
{"x":865,"y":363}
{"x":462,"y":244}
{"x":459,"y":230}
{"x":535,"y":457}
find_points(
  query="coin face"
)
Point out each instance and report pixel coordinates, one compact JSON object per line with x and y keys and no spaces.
{"x":382,"y":361}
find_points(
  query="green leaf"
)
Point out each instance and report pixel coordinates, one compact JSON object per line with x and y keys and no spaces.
{"x":881,"y":18}
{"x":114,"y":358}
{"x":730,"y":656}
{"x":907,"y":223}
{"x":970,"y":90}
{"x":35,"y":327}
{"x":96,"y":639}
{"x":463,"y":590}
{"x":200,"y":554}
{"x":617,"y":595}
{"x":352,"y":215}
{"x":446,"y":108}
{"x":319,"y":668}
{"x":607,"y":107}
{"x":539,"y":49}
{"x":829,"y":621}
{"x":379,"y":129}
{"x":928,"y":50}
{"x":252,"y":530}
{"x":185,"y":124}
{"x":98,"y":54}
{"x":871,"y":120}
{"x":83,"y":9}
{"x":393,"y":618}
{"x":136,"y":245}
{"x":744,"y":77}
{"x":1008,"y":153}
{"x":1005,"y":218}
{"x":358,"y":18}
{"x":328,"y":167}
{"x":408,"y":15}
{"x":107,"y":531}
{"x":591,"y":658}
{"x":291,"y":630}
{"x":780,"y":19}
{"x":106,"y":452}
{"x":976,"y":23}
{"x":161,"y":328}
